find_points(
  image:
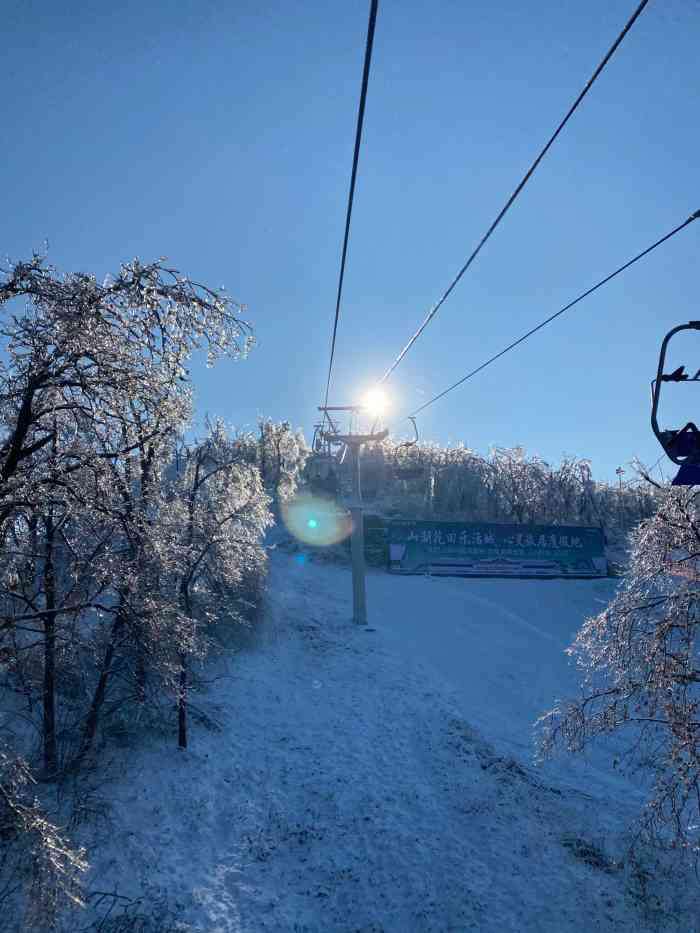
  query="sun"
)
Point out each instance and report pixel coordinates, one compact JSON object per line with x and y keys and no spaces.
{"x":375,"y":402}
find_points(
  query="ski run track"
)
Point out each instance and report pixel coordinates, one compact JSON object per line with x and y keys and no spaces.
{"x":382,"y":780}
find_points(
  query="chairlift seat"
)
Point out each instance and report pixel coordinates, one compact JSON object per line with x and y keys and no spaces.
{"x":688,"y":475}
{"x":684,"y":443}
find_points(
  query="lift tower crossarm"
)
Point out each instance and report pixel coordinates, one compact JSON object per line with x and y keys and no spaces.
{"x":361,"y":439}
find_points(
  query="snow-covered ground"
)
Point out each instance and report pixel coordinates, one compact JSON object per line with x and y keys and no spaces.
{"x":382,"y":779}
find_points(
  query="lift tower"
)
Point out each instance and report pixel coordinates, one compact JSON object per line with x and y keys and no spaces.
{"x":354,"y":443}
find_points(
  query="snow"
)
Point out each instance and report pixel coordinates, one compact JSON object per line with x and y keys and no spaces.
{"x":381,"y":779}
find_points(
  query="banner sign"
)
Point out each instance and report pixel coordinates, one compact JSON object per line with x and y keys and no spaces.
{"x":496,"y":550}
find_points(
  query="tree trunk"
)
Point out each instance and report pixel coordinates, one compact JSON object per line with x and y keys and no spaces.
{"x":182,"y":703}
{"x":98,"y":698}
{"x":278,"y":478}
{"x":263,"y":463}
{"x":141,"y":675}
{"x":49,"y":620}
{"x":182,"y":690}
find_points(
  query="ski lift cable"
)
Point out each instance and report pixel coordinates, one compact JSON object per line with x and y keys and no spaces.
{"x":353,"y":178}
{"x":504,"y":210}
{"x":561,"y":311}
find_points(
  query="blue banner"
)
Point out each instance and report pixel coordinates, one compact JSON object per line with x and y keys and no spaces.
{"x":479,"y":549}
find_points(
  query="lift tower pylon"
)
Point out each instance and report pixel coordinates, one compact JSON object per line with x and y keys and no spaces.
{"x":354,"y":443}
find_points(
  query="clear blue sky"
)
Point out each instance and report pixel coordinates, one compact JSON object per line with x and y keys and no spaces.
{"x":220,"y":135}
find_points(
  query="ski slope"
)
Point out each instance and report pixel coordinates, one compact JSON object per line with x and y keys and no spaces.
{"x":381,"y":780}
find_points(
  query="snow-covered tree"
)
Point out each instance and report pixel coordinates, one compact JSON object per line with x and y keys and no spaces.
{"x":209,"y":536}
{"x":640,"y":666}
{"x":106,"y":558}
{"x":85,"y":352}
{"x":424,"y":480}
{"x":282,"y":453}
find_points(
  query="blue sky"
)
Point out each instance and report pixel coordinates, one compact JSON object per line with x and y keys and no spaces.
{"x":220,"y":135}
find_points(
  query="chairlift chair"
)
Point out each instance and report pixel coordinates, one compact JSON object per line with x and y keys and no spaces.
{"x":327,"y":454}
{"x":323,"y":444}
{"x":410,"y":472}
{"x":682,"y":445}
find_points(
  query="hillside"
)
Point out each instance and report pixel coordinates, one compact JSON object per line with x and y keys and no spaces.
{"x":381,"y":779}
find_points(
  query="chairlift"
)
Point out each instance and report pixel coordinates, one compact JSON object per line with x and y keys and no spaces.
{"x":410,"y":472}
{"x":682,"y":445}
{"x":327,"y":454}
{"x":325,"y":443}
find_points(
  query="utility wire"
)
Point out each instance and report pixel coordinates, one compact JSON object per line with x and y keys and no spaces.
{"x":552,"y":317}
{"x":356,"y":156}
{"x":436,"y":307}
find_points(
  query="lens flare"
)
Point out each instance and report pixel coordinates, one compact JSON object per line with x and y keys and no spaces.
{"x":316,"y":521}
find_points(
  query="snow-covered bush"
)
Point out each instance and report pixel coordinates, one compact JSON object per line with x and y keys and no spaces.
{"x":40,"y":872}
{"x":640,"y":666}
